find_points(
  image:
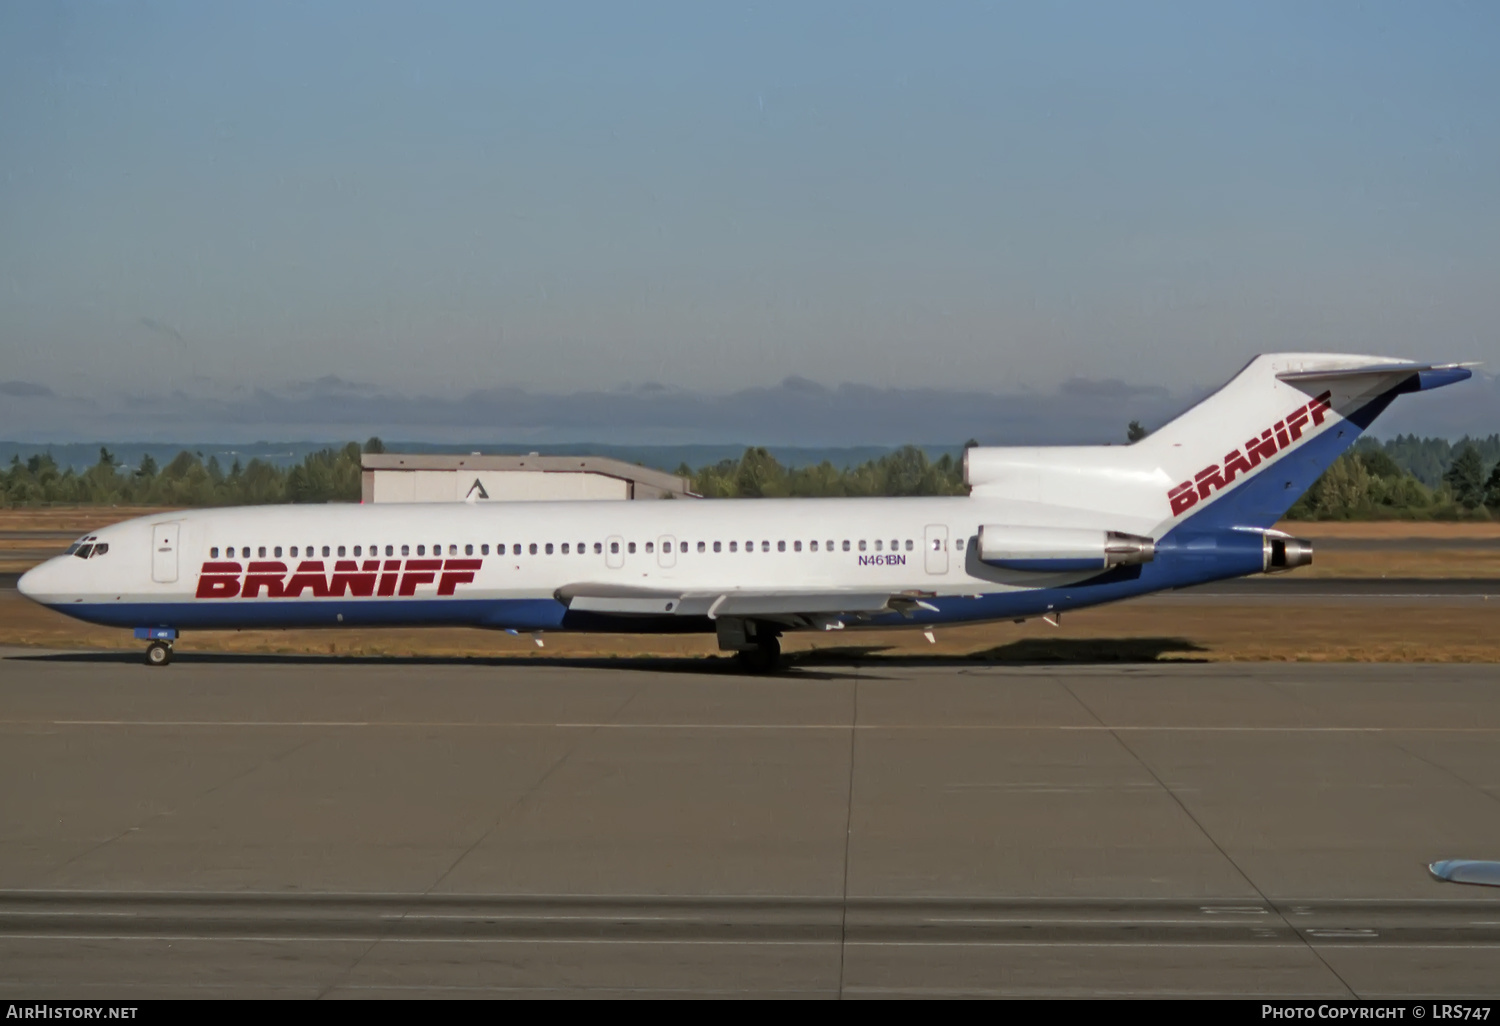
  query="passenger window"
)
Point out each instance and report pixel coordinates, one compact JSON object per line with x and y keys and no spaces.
{"x":564,"y":548}
{"x":581,"y":548}
{"x":734,"y":546}
{"x":830,"y":545}
{"x":702,"y":547}
{"x":262,"y":551}
{"x":406,"y":550}
{"x":846,"y":544}
{"x":213,"y":553}
{"x":531,"y":549}
{"x":276,"y":552}
{"x":861,"y":545}
{"x":421,"y":550}
{"x":908,"y":545}
{"x":325,"y":550}
{"x":598,"y":548}
{"x":879,"y":545}
{"x":812,"y":546}
{"x":781,"y":546}
{"x":796,"y":546}
{"x":614,"y":548}
{"x":515,"y":550}
{"x":650,"y":546}
{"x":937,"y":545}
{"x":958,"y":544}
{"x":630,"y":548}
{"x":388,"y":551}
{"x":357,"y":551}
{"x":895,"y":544}
{"x":549,"y":548}
{"x":341,"y":552}
{"x":484,"y":550}
{"x":718,"y":546}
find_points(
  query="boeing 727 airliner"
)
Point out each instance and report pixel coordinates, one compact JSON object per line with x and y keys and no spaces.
{"x":1042,"y":531}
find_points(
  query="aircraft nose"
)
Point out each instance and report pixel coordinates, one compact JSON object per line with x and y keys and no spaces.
{"x":33,"y":583}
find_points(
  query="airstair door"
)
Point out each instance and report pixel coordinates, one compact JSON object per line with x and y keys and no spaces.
{"x":164,"y":552}
{"x":614,"y":552}
{"x":937,"y":549}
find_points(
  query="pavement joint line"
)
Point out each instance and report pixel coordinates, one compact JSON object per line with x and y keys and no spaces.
{"x":427,"y":724}
{"x":310,"y":897}
{"x":1192,"y":817}
{"x":831,"y":941}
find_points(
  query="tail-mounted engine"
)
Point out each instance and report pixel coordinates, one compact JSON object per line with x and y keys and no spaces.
{"x":1061,"y":549}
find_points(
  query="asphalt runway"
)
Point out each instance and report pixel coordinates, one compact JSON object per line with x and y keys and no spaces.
{"x":318,"y":827}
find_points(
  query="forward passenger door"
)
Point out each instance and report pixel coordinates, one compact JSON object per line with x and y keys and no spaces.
{"x":164,"y":552}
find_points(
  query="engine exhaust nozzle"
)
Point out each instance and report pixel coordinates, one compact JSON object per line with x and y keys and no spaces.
{"x":1283,"y":554}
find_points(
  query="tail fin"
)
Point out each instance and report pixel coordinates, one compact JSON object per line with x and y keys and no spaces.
{"x":1240,"y":458}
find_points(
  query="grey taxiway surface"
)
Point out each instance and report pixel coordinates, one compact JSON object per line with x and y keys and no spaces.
{"x":377,"y":828}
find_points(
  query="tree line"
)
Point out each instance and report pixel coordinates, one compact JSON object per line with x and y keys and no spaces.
{"x":329,"y":475}
{"x":1403,"y":478}
{"x":1370,"y":483}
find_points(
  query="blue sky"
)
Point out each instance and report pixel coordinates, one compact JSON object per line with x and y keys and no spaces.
{"x":227,"y":197}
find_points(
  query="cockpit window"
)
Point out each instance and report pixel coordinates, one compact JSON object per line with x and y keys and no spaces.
{"x":83,"y":548}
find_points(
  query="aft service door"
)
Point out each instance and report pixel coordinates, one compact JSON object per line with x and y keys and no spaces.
{"x":164,"y":552}
{"x":614,"y":552}
{"x":937,"y":549}
{"x":666,"y":550}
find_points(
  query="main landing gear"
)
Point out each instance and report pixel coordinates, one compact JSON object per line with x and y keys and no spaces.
{"x":159,"y":651}
{"x":765,"y":657}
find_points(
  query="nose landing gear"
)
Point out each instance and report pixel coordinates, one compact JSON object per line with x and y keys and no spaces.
{"x":159,"y":652}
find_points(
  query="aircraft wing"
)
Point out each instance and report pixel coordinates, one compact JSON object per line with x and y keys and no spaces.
{"x":793,"y":607}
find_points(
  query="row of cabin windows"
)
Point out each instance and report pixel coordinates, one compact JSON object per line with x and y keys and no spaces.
{"x":548,"y":548}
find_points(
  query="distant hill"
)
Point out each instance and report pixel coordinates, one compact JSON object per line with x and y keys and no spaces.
{"x":1426,"y":459}
{"x":79,"y":456}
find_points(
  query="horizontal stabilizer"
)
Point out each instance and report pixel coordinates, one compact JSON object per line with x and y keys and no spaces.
{"x":1430,"y":375}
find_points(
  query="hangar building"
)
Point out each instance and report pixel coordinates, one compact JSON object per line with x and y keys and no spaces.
{"x":436,"y":477}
